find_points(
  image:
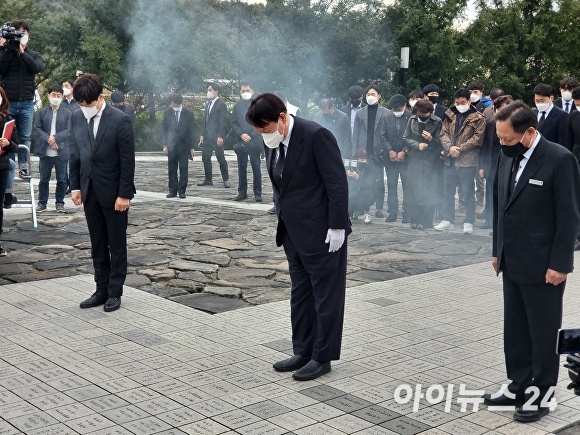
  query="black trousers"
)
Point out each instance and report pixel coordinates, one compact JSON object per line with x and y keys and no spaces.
{"x":532,"y":317}
{"x":207,"y":150}
{"x":421,"y":214}
{"x":174,"y":162}
{"x":243,"y":151}
{"x":4,"y":173}
{"x":488,"y":211}
{"x":108,"y":234}
{"x":380,"y":191}
{"x":317,"y":301}
{"x":394,"y":171}
{"x":463,"y":177}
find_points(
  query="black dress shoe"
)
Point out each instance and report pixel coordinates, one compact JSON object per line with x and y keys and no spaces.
{"x":170,"y":195}
{"x":272,"y":210}
{"x":406,"y":220}
{"x":112,"y":304}
{"x":182,"y":195}
{"x":391,"y":218}
{"x":502,"y":401}
{"x":293,"y":363}
{"x":241,"y":197}
{"x":531,"y":416}
{"x":94,"y":301}
{"x":486,"y":226}
{"x":205,"y":183}
{"x":258,"y":198}
{"x":311,"y":371}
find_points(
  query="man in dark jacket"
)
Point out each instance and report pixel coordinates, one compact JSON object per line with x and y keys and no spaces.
{"x":552,"y":121}
{"x":355,"y":103}
{"x":250,"y":145}
{"x":118,"y":101}
{"x":394,"y":156}
{"x":178,"y":137}
{"x":51,"y":126}
{"x":338,"y":123}
{"x":18,"y":67}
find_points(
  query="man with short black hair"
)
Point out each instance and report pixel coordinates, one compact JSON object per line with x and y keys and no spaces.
{"x":213,"y":135}
{"x":178,"y":137}
{"x":413,"y":97}
{"x":337,"y":122}
{"x":355,"y":103}
{"x":565,"y":102}
{"x":118,"y":101}
{"x":102,"y":169}
{"x":552,"y":121}
{"x":68,"y":100}
{"x":535,"y":222}
{"x":478,"y":98}
{"x":18,"y":69}
{"x":494,"y":94}
{"x":431,"y":93}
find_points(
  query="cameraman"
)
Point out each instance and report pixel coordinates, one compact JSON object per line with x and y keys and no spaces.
{"x":18,"y":67}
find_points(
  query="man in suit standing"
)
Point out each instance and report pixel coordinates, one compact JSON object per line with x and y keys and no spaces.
{"x":51,"y":126}
{"x":395,"y":157}
{"x":178,"y":137}
{"x":368,"y":126}
{"x":566,"y":102}
{"x":552,"y":121}
{"x":213,"y":135}
{"x":251,"y":146}
{"x":536,"y":218}
{"x":355,"y":103}
{"x":304,"y":164}
{"x":102,"y":168}
{"x":337,"y":122}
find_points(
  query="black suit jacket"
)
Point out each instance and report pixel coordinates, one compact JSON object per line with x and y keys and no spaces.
{"x":42,"y":125}
{"x":215,"y":125}
{"x":179,"y":138}
{"x":314,"y":192}
{"x":560,"y":103}
{"x":440,"y":112}
{"x":359,"y":135}
{"x":392,"y":139}
{"x":535,"y":228}
{"x":555,"y":127}
{"x":574,"y":133}
{"x":111,"y":164}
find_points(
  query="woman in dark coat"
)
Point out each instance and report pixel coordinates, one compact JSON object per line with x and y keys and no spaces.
{"x":424,"y":149}
{"x":8,"y":146}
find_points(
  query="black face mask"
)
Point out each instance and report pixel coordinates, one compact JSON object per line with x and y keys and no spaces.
{"x":434,"y":99}
{"x":424,"y":118}
{"x":355,"y":103}
{"x":513,"y":151}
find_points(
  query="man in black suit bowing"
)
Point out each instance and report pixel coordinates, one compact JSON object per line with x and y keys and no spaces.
{"x":552,"y":121}
{"x":213,"y":135}
{"x":102,"y":168}
{"x":304,"y":164}
{"x":178,"y":136}
{"x":535,"y":222}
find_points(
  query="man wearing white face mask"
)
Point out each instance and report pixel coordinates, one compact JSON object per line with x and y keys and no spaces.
{"x":51,"y":125}
{"x":18,"y":68}
{"x":306,"y":169}
{"x":250,"y":145}
{"x":461,"y":137}
{"x":552,"y":121}
{"x":566,"y":102}
{"x":213,"y":135}
{"x":68,"y":101}
{"x":102,"y":169}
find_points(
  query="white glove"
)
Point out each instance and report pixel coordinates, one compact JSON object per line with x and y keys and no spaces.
{"x":335,"y":238}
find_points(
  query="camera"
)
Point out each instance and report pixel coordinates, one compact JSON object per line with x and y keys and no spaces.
{"x":569,"y":343}
{"x":12,"y":37}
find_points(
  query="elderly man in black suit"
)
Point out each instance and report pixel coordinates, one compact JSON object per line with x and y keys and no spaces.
{"x":102,"y":168}
{"x":304,"y":164}
{"x":178,"y":136}
{"x":213,"y":135}
{"x":552,"y":121}
{"x":535,"y":222}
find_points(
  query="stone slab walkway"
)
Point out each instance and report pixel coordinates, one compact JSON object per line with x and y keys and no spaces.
{"x":159,"y":367}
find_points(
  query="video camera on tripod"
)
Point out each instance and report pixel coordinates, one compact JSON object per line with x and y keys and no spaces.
{"x":12,"y":37}
{"x":569,"y":343}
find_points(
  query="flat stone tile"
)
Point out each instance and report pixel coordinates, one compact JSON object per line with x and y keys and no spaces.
{"x":70,"y":412}
{"x":294,"y":401}
{"x":376,"y":414}
{"x":378,"y":430}
{"x":86,"y":393}
{"x":322,"y":392}
{"x":104,"y":403}
{"x":51,"y":401}
{"x":139,"y":394}
{"x":320,"y":412}
{"x":236,"y":418}
{"x":292,"y":420}
{"x":348,"y":403}
{"x":159,"y":405}
{"x":317,"y":429}
{"x":261,"y":428}
{"x":462,"y":426}
{"x":212,"y":407}
{"x":125,"y":414}
{"x":29,"y":422}
{"x":7,"y":429}
{"x":180,"y":416}
{"x":90,"y":423}
{"x":17,"y":409}
{"x":113,"y":430}
{"x":147,"y":426}
{"x":57,"y":429}
{"x":204,"y":427}
{"x":267,"y":409}
{"x":405,"y":426}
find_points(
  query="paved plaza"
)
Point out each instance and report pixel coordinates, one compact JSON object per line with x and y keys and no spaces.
{"x":421,"y":308}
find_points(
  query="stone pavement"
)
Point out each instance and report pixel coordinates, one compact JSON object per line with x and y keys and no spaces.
{"x":158,"y":367}
{"x":212,"y":253}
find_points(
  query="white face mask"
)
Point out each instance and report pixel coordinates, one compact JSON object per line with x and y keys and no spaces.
{"x":372,"y":100}
{"x":66,"y":92}
{"x":475,"y":98}
{"x":398,"y":114}
{"x":55,"y":101}
{"x":0,"y":101}
{"x":24,"y":40}
{"x":177,"y":109}
{"x":89,"y":112}
{"x":210,"y":95}
{"x":412,"y":103}
{"x":542,"y":107}
{"x":272,"y":140}
{"x":566,"y":95}
{"x":462,"y":108}
{"x":246,"y":95}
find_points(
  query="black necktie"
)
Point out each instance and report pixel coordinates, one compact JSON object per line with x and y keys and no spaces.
{"x":515,"y":169}
{"x":568,"y":107}
{"x":279,"y":167}
{"x":541,"y":121}
{"x":177,"y":116}
{"x":207,"y":108}
{"x":92,"y":132}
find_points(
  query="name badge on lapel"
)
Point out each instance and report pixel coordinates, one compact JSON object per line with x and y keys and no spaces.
{"x":536,"y":182}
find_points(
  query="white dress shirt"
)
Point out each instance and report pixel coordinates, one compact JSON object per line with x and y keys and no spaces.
{"x":547,"y":112}
{"x":526,"y":157}
{"x":50,"y":152}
